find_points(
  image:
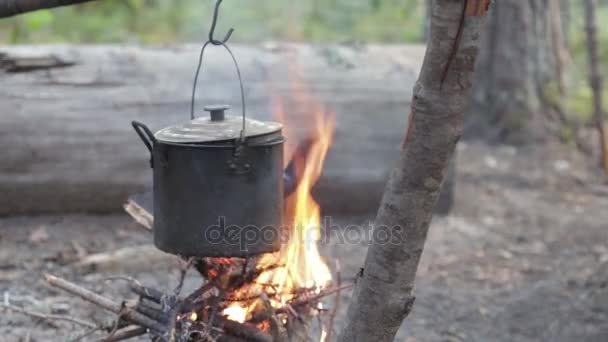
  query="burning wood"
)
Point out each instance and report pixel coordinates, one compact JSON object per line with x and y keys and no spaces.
{"x":203,"y":315}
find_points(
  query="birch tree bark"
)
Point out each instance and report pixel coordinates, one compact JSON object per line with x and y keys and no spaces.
{"x":383,"y":294}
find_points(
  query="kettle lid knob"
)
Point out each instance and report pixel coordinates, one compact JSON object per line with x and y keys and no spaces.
{"x":216,"y":112}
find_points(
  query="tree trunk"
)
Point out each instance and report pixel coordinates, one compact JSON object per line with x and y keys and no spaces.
{"x":595,"y":79}
{"x":517,"y":66}
{"x":566,"y":16}
{"x":448,"y":190}
{"x":383,"y":295}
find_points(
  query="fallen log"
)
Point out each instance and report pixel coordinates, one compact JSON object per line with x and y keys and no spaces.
{"x":68,"y":145}
{"x":127,"y":258}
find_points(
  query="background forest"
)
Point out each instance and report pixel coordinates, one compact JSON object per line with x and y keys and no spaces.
{"x":338,"y":21}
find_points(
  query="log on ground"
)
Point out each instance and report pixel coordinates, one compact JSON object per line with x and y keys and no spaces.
{"x":68,"y":145}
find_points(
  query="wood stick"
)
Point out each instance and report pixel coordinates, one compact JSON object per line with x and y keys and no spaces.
{"x":246,"y":331}
{"x":126,"y":334}
{"x":228,"y":338}
{"x":146,"y":309}
{"x":288,"y":309}
{"x":334,"y":310}
{"x":146,"y":292}
{"x":277,"y":330}
{"x":49,"y":317}
{"x":321,"y":295}
{"x":117,"y":308}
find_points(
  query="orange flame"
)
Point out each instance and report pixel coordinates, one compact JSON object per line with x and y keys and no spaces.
{"x":303,"y":265}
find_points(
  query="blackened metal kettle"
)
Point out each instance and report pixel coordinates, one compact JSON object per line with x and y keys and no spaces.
{"x":218,"y":182}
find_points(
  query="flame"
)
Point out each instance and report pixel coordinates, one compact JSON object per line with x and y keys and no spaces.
{"x":236,"y":313}
{"x":303,"y":265}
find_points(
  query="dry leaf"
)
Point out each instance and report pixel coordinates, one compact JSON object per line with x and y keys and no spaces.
{"x":39,"y":235}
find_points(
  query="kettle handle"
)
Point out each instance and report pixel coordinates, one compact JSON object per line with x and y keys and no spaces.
{"x":222,"y":43}
{"x":146,"y":136}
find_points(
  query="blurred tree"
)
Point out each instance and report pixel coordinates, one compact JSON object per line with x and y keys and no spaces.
{"x":595,"y":79}
{"x":566,"y":14}
{"x":522,"y":57}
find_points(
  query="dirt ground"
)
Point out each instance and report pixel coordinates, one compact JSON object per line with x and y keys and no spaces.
{"x":523,"y":257}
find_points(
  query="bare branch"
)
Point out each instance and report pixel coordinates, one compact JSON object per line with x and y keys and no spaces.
{"x":126,"y":334}
{"x":126,"y":313}
{"x":49,"y":317}
{"x":9,"y":8}
{"x":334,"y":309}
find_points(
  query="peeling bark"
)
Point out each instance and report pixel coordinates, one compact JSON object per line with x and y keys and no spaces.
{"x":383,"y":295}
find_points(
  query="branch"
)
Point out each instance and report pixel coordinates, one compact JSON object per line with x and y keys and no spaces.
{"x":334,"y":309}
{"x":9,"y":8}
{"x":49,"y":317}
{"x":383,"y":294}
{"x":117,"y":308}
{"x":126,"y":334}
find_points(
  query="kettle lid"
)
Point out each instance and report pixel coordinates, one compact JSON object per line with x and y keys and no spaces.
{"x":217,"y":127}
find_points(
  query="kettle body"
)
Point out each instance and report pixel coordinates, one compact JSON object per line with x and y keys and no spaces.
{"x":219,"y":197}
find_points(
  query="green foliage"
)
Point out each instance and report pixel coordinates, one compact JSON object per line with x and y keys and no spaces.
{"x":174,"y":21}
{"x":578,"y":103}
{"x":167,"y":21}
{"x":38,"y":20}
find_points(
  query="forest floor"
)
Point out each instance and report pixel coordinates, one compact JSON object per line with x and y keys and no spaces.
{"x":522,"y":257}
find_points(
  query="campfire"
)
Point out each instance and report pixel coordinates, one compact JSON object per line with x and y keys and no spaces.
{"x":270,"y":297}
{"x":244,"y":295}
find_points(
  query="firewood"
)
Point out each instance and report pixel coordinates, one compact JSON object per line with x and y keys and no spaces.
{"x":16,"y":64}
{"x":146,"y":292}
{"x":334,"y":309}
{"x":140,"y":207}
{"x":125,"y":334}
{"x":48,"y":317}
{"x":246,"y":331}
{"x":124,"y":312}
{"x":152,"y":312}
{"x":277,"y":330}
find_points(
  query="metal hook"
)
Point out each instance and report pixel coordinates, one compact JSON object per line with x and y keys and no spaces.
{"x":212,"y":30}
